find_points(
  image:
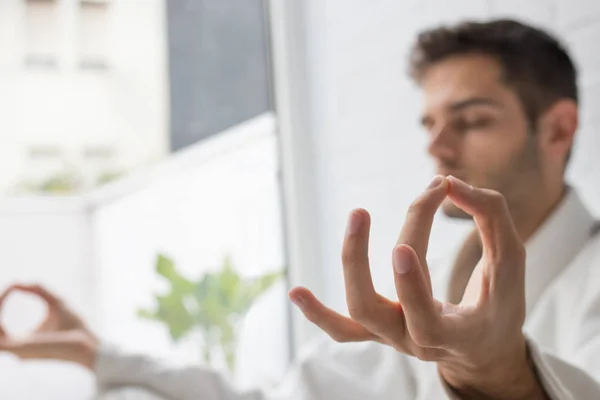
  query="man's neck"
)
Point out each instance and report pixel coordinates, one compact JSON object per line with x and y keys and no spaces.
{"x":530,"y":216}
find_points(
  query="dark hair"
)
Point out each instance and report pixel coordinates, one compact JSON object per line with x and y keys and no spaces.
{"x":534,"y":63}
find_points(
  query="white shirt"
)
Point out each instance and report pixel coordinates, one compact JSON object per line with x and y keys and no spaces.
{"x":562,"y":326}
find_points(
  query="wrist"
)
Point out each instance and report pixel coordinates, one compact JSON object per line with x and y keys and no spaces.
{"x":510,"y":377}
{"x":87,"y":350}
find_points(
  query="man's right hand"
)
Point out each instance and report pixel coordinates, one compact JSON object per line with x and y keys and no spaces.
{"x":61,"y":336}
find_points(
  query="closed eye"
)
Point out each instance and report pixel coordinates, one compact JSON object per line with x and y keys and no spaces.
{"x":463,"y":125}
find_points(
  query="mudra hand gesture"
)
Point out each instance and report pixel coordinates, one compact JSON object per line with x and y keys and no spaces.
{"x":478,"y":344}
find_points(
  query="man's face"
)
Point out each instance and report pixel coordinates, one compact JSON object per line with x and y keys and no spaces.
{"x":477,"y":128}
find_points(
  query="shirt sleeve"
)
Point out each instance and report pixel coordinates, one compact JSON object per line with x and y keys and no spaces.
{"x":326,"y":371}
{"x":561,"y":379}
{"x":572,"y":369}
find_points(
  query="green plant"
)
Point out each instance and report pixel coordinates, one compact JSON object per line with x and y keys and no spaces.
{"x":108,"y":176}
{"x":61,"y":183}
{"x":65,"y":182}
{"x":213,"y":305}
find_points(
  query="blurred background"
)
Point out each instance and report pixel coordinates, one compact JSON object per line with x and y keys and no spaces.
{"x":146,"y":143}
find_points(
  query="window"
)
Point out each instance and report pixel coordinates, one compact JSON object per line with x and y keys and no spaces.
{"x":43,"y":162}
{"x":42,"y":33}
{"x":99,"y":153}
{"x":93,"y":38}
{"x":44,"y":152}
{"x":219,"y":66}
{"x":100,"y":164}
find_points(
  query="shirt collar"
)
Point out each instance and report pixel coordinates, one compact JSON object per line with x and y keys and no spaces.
{"x":555,"y":244}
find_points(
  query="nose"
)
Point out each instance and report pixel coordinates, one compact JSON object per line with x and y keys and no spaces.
{"x":443,"y":143}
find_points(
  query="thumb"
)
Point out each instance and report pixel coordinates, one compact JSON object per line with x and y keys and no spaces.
{"x":66,"y":346}
{"x":4,"y":340}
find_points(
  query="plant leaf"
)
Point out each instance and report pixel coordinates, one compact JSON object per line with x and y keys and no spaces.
{"x":165,"y":267}
{"x":172,"y":311}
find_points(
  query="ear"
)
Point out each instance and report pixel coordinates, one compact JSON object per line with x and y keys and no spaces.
{"x":557,"y":128}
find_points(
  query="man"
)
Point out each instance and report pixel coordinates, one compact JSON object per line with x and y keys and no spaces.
{"x":520,"y":320}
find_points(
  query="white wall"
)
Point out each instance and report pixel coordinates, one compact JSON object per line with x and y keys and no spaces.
{"x":365,"y":147}
{"x":124,"y":107}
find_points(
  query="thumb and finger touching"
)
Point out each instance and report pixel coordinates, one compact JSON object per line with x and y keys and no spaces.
{"x":418,"y":312}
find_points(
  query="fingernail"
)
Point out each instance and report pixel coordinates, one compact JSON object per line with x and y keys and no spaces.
{"x":298,"y":301}
{"x":402,"y":260}
{"x":437,"y":180}
{"x":355,"y":222}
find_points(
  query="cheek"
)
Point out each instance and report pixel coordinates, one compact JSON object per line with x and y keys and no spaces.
{"x":485,"y":151}
{"x":499,"y":143}
{"x":489,"y":156}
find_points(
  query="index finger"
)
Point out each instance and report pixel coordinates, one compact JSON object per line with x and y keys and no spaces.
{"x":37,"y":290}
{"x":419,"y":218}
{"x":417,"y":226}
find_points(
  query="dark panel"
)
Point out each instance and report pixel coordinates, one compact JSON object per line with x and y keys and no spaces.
{"x":219,"y":66}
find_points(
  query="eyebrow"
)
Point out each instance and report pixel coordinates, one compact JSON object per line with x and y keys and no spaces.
{"x":461,"y":105}
{"x":474,"y":101}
